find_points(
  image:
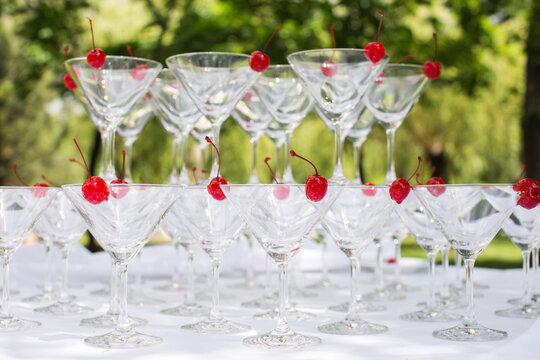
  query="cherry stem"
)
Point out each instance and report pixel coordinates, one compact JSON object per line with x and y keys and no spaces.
{"x":73,"y":160}
{"x":80,"y":152}
{"x":66,"y":48}
{"x":270,"y":169}
{"x":92,"y":31}
{"x":268,"y":42}
{"x":49,"y":181}
{"x":415,"y":171}
{"x":405,"y":58}
{"x":435,"y":37}
{"x":433,"y":168}
{"x":303,"y":158}
{"x":521,"y":174}
{"x":129,"y":50}
{"x":17,"y":175}
{"x":217,"y":151}
{"x":380,"y":24}
{"x":195,"y":177}
{"x":123,"y":164}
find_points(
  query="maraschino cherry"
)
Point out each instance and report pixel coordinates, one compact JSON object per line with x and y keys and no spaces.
{"x":438,"y":190}
{"x":94,"y":189}
{"x":119,"y":192}
{"x":68,"y":81}
{"x":529,"y":191}
{"x":369,"y":191}
{"x":214,"y":187}
{"x":316,"y":185}
{"x":39,"y":193}
{"x":400,"y":188}
{"x":432,"y":69}
{"x":329,"y":68}
{"x":258,"y":60}
{"x":375,"y":50}
{"x":280,"y":192}
{"x":140,"y":70}
{"x":96,"y":56}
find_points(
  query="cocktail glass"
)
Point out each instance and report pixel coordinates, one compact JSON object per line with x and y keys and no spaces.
{"x":112,"y":91}
{"x":20,"y":207}
{"x":215,"y":81}
{"x":469,"y":216}
{"x":122,"y":225}
{"x":337,"y":95}
{"x":281,"y":217}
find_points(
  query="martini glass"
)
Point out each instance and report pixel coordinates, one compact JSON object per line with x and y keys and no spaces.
{"x":522,"y":227}
{"x":20,"y":207}
{"x":469,"y":223}
{"x":215,"y":81}
{"x":280,"y":90}
{"x":64,"y":226}
{"x":112,"y":91}
{"x":122,"y":225}
{"x":353,"y":222}
{"x":339,"y":94}
{"x":131,"y":126}
{"x":215,"y":225}
{"x":281,"y":225}
{"x":428,"y":236}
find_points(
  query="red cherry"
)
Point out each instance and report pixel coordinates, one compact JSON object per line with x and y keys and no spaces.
{"x":119,"y":192}
{"x":258,"y":60}
{"x":375,"y":50}
{"x":95,"y":57}
{"x":369,"y":191}
{"x":94,"y":189}
{"x":68,"y":81}
{"x":524,"y":184}
{"x":214,"y":187}
{"x":439,"y":190}
{"x":280,"y":192}
{"x":36,"y":192}
{"x":316,"y":185}
{"x":529,"y":190}
{"x":328,"y":68}
{"x":400,"y":188}
{"x":140,"y":70}
{"x":432,"y":69}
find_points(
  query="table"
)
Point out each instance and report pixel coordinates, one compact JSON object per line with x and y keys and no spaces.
{"x":62,"y":337}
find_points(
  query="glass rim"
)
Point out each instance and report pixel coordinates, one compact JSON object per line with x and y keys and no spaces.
{"x":14,"y":187}
{"x":74,"y":186}
{"x":463,"y":185}
{"x":351,"y":185}
{"x":404,"y":65}
{"x":184,"y":55}
{"x":326,"y":50}
{"x":114,"y":57}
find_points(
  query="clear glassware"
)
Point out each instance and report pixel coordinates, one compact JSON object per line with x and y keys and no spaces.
{"x":131,"y":126}
{"x":429,"y":237}
{"x":390,"y":98}
{"x":47,"y":295}
{"x":174,"y":224}
{"x":215,"y":225}
{"x":353,"y":221}
{"x":522,"y":227}
{"x":281,"y":218}
{"x":20,"y":208}
{"x":320,"y":236}
{"x":215,"y":81}
{"x":280,"y":90}
{"x":64,"y":226}
{"x":112,"y":91}
{"x":276,"y":133}
{"x":339,"y":94}
{"x":469,"y":216}
{"x":122,"y":225}
{"x":178,"y":115}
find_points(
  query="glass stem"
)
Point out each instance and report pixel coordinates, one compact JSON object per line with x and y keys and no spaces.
{"x":5,"y":311}
{"x":445,"y":292}
{"x":63,"y":296}
{"x":397,"y":258}
{"x":268,"y":274}
{"x":128,"y":144}
{"x":282,"y":325}
{"x":216,"y":129}
{"x":114,"y":306}
{"x":183,"y":173}
{"x":459,"y":272}
{"x":250,"y":273}
{"x":277,"y":168}
{"x":176,"y":270}
{"x":390,"y":169}
{"x":138,"y":274}
{"x":355,"y":270}
{"x":123,"y":324}
{"x":287,"y":171}
{"x":173,"y":179}
{"x":338,"y":147}
{"x":469,"y":319}
{"x":526,"y":275}
{"x":214,"y":312}
{"x":108,"y":154}
{"x":47,"y":286}
{"x":431,"y":255}
{"x":324,"y":263}
{"x":190,"y":291}
{"x":357,"y":159}
{"x":379,"y":276}
{"x":254,"y":179}
{"x":535,"y":261}
{"x":105,"y":134}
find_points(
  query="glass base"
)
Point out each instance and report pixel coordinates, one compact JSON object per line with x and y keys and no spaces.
{"x":207,"y":295}
{"x":247,"y":285}
{"x":352,"y":326}
{"x":67,"y":309}
{"x":109,"y":320}
{"x":283,"y":341}
{"x":44,"y":297}
{"x":101,"y":292}
{"x":264,"y":302}
{"x":292,"y":315}
{"x":525,"y":311}
{"x":447,"y":302}
{"x":431,"y":315}
{"x":324,"y":284}
{"x":460,"y":291}
{"x":169,"y":287}
{"x":12,"y":324}
{"x":139,"y":298}
{"x":470,"y":333}
{"x":187,"y":310}
{"x":361,"y":307}
{"x":400,"y":287}
{"x":383,"y":295}
{"x":295,"y":292}
{"x":218,"y":326}
{"x":122,"y":340}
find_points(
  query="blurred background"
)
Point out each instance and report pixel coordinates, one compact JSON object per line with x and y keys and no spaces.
{"x":480,"y":120}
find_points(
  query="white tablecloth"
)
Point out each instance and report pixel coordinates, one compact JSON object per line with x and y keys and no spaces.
{"x":62,"y":337}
